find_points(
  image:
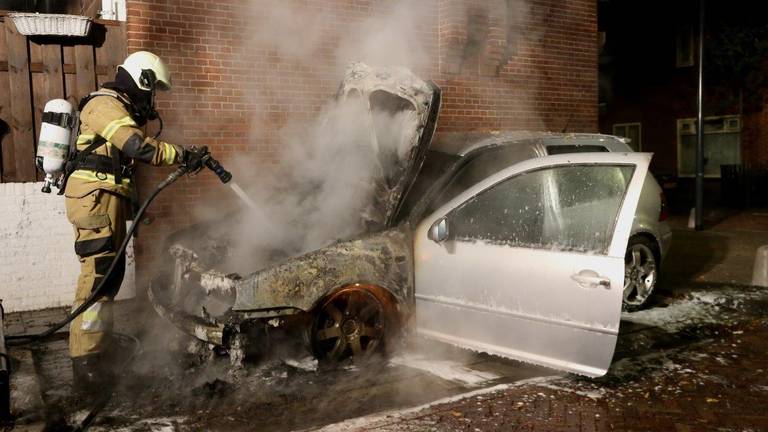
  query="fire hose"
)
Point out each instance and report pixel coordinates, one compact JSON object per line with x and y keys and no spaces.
{"x":17,"y":340}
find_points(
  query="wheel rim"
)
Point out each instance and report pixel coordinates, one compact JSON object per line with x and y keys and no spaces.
{"x":350,"y":323}
{"x":639,"y":274}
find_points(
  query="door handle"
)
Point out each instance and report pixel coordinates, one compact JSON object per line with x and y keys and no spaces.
{"x":590,"y":279}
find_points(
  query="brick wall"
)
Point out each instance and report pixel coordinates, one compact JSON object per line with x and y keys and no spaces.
{"x":529,"y":65}
{"x":38,"y":266}
{"x":501,"y":64}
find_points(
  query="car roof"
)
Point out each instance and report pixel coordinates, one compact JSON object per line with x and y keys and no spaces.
{"x":460,"y":144}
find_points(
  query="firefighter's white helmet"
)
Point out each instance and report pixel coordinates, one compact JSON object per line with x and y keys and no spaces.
{"x":137,"y":65}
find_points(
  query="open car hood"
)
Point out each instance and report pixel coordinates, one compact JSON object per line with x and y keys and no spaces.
{"x":402,"y":110}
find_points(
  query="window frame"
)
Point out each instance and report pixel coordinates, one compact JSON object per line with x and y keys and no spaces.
{"x":690,"y":124}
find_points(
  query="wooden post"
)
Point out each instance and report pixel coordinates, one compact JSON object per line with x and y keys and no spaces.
{"x":21,"y":105}
{"x":52,"y":70}
{"x":86,"y":70}
{"x":7,"y":167}
{"x":112,"y":52}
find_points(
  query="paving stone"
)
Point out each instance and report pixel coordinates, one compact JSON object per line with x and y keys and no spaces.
{"x":737,"y":402}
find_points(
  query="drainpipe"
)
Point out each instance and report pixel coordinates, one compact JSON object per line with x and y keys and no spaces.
{"x":700,"y":126}
{"x":112,"y":10}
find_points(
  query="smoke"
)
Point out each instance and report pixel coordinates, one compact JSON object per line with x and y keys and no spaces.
{"x":332,"y":182}
{"x":331,"y":171}
{"x":304,"y":33}
{"x":391,"y":39}
{"x":329,"y":165}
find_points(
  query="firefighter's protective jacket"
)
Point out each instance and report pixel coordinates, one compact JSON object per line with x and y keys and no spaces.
{"x":107,"y":117}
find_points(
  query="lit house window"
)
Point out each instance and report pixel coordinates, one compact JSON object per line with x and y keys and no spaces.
{"x":684,"y":46}
{"x":631,"y":131}
{"x":722,"y":145}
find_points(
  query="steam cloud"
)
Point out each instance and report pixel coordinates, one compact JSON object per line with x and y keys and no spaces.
{"x":324,"y":183}
{"x":324,"y":187}
{"x":327,"y":164}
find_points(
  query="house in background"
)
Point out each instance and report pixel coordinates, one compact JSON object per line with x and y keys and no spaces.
{"x":648,"y":84}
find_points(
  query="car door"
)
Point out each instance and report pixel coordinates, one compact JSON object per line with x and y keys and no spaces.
{"x":529,"y":263}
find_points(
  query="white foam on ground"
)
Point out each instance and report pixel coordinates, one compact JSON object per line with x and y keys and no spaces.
{"x":306,"y":363}
{"x":699,"y":308}
{"x":160,"y":424}
{"x":594,"y":394}
{"x":445,"y":369}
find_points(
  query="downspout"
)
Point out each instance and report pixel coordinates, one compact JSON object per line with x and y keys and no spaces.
{"x":113,"y":10}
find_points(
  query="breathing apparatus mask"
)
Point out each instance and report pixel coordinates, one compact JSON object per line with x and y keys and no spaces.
{"x":142,"y":101}
{"x":149,"y":79}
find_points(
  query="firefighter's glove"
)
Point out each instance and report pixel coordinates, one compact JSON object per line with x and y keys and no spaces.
{"x":194,"y":158}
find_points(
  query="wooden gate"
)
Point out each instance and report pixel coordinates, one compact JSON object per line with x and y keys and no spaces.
{"x":36,"y":69}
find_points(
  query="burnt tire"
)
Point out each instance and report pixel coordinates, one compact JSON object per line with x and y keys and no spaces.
{"x":641,"y":272}
{"x":351,"y":323}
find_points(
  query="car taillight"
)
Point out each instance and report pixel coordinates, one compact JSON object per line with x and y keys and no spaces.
{"x":664,"y":213}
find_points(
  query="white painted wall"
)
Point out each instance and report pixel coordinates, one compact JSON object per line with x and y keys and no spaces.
{"x":38,"y":265}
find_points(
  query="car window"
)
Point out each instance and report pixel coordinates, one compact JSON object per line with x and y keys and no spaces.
{"x":563,"y":149}
{"x":570,"y":207}
{"x":480,"y":166}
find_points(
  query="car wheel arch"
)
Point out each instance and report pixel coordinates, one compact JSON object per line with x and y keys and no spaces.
{"x":392,"y":315}
{"x":385,"y":295}
{"x":655,"y":245}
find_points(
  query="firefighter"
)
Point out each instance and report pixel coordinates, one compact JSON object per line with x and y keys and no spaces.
{"x":98,"y":195}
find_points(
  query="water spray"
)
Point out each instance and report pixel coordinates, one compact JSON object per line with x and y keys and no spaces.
{"x":241,"y":194}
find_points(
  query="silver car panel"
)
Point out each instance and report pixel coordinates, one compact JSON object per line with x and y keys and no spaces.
{"x":556,"y":308}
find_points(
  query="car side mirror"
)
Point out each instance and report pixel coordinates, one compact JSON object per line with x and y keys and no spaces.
{"x":438,"y":232}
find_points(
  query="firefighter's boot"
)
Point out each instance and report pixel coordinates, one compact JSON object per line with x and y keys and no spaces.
{"x":93,"y":380}
{"x":56,"y":421}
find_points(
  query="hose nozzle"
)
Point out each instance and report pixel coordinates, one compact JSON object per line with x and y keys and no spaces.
{"x":214,"y":165}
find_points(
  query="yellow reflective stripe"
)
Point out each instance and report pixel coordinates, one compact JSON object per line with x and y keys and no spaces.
{"x":91,"y":315}
{"x":114,"y":125}
{"x":82,"y":139}
{"x":95,"y":317}
{"x":170,"y":154}
{"x":94,"y":326}
{"x":102,"y":177}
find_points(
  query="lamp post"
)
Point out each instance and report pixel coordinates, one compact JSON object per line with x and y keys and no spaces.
{"x":700,"y":126}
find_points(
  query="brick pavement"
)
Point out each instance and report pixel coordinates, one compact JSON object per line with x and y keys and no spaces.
{"x":717,"y":384}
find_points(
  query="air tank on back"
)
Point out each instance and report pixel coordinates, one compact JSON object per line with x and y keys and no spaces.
{"x":53,"y":146}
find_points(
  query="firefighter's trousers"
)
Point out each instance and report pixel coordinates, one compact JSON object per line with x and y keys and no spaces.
{"x":99,"y":222}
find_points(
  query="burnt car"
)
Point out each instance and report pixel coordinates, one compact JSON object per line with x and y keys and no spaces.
{"x":526,"y":262}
